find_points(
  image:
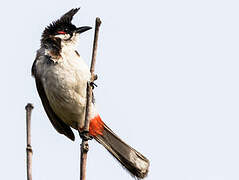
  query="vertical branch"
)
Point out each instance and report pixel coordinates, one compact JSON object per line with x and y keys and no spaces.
{"x":95,"y":45}
{"x":84,"y":144}
{"x":29,"y":108}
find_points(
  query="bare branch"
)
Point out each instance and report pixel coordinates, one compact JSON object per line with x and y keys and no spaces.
{"x":29,"y":108}
{"x":84,"y":144}
{"x":95,"y":45}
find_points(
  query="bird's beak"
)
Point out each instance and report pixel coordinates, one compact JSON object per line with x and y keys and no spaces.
{"x":82,"y":29}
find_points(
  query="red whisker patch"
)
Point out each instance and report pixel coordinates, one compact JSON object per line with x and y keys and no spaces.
{"x":61,"y":32}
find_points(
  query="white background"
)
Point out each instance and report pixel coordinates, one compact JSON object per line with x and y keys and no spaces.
{"x":168,"y":85}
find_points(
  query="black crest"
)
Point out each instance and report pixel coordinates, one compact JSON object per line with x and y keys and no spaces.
{"x":61,"y":24}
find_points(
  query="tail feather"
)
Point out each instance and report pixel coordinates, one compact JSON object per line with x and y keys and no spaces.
{"x":131,"y":159}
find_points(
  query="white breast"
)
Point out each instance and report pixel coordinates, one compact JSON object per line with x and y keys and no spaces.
{"x":65,"y":85}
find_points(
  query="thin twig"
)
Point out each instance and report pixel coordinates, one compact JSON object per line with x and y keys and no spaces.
{"x":95,"y":45}
{"x":84,"y":144}
{"x":29,"y":108}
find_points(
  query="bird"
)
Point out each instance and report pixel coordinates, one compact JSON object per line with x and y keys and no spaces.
{"x":61,"y":77}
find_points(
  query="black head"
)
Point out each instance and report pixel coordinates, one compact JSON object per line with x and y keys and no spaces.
{"x":62,"y":26}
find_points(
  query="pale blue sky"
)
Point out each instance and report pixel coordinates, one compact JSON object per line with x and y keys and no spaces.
{"x":168,"y":85}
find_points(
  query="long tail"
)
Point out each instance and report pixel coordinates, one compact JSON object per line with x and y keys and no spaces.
{"x":131,"y":159}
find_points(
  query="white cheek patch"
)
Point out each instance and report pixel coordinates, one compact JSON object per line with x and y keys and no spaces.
{"x":70,"y":44}
{"x":63,"y":36}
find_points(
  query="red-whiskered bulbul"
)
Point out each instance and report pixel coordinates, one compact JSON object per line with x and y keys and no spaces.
{"x":61,"y":78}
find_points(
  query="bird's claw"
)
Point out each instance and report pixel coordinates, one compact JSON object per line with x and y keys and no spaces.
{"x":85,"y":135}
{"x":93,"y":78}
{"x":93,"y":85}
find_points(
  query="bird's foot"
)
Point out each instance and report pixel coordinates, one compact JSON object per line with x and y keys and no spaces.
{"x":85,"y":135}
{"x":92,"y":84}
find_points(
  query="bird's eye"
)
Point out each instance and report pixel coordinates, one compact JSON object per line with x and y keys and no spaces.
{"x":61,"y":32}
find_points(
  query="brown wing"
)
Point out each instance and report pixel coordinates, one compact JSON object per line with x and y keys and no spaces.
{"x":58,"y":124}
